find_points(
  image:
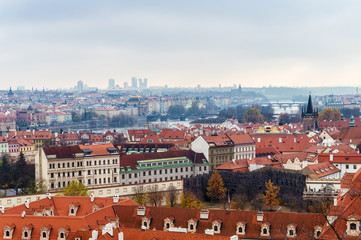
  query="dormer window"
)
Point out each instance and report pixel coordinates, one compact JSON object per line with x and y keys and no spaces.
{"x":45,"y":232}
{"x":216,"y":226}
{"x":73,"y":208}
{"x":62,"y":232}
{"x":291,"y":231}
{"x":27,"y":231}
{"x":8,"y":231}
{"x":146,"y":222}
{"x":241,"y":227}
{"x":265,"y":229}
{"x":192,"y":225}
{"x":353,"y":225}
{"x":168,"y":223}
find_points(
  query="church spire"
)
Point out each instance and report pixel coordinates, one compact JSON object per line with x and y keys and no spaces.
{"x":309,"y":105}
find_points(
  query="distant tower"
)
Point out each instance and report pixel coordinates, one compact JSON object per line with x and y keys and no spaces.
{"x":111,"y":84}
{"x":140,"y":83}
{"x":134,"y":82}
{"x":309,"y":117}
{"x":125,"y":85}
{"x":239,"y":88}
{"x":80,"y":86}
{"x":10,"y":93}
{"x":145,"y":83}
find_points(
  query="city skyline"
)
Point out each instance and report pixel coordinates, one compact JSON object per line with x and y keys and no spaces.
{"x":180,"y":44}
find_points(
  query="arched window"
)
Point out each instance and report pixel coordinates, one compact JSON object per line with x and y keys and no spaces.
{"x":216,"y":228}
{"x":191,"y":227}
{"x":44,"y":234}
{"x":72,"y":210}
{"x":7,"y":233}
{"x":318,"y":233}
{"x":25,"y":234}
{"x":240,"y":230}
{"x":265,"y":231}
{"x":291,"y":232}
{"x":167,"y":225}
{"x":353,"y":226}
{"x":62,"y":235}
{"x":145,"y":224}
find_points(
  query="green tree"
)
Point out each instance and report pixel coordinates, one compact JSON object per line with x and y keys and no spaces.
{"x":216,"y":189}
{"x":21,"y":177}
{"x":176,"y":110}
{"x":329,"y":114}
{"x":270,"y":197}
{"x":253,"y":115}
{"x":5,"y":171}
{"x":188,"y":200}
{"x":75,"y":117}
{"x":74,"y":188}
{"x":35,"y":187}
{"x":195,"y":109}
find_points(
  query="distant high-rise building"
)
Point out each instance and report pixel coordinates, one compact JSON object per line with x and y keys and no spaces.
{"x":111,"y":84}
{"x":140,"y":83}
{"x":125,"y":85}
{"x":134,"y":82}
{"x":80,"y":86}
{"x":145,"y":83}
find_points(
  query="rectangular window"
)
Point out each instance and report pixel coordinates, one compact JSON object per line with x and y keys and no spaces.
{"x":115,"y":170}
{"x":346,"y":166}
{"x":115,"y":179}
{"x":89,"y":181}
{"x":89,"y":172}
{"x":354,"y":166}
{"x":130,"y":175}
{"x":79,"y":173}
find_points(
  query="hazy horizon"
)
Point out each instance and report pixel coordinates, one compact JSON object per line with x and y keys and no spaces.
{"x":180,"y":43}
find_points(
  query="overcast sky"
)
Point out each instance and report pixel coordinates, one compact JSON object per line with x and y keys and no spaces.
{"x":180,"y":43}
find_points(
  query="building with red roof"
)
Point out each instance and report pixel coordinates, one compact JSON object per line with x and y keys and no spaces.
{"x":93,"y":165}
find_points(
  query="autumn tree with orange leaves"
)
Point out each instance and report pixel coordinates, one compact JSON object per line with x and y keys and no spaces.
{"x":216,"y":189}
{"x":270,"y":198}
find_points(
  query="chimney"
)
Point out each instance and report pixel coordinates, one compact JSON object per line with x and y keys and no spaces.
{"x":331,"y":157}
{"x":204,"y":214}
{"x":48,"y":195}
{"x":141,"y":211}
{"x":260,"y":216}
{"x":92,"y":197}
{"x":22,"y":214}
{"x":2,"y":209}
{"x":115,"y":198}
{"x":94,"y":234}
{"x":121,"y":236}
{"x":27,"y":204}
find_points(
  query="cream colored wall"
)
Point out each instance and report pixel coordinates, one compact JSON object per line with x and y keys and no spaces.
{"x":124,"y":191}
